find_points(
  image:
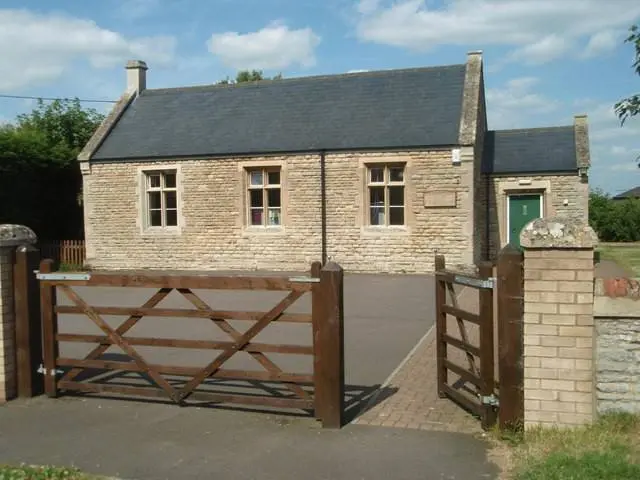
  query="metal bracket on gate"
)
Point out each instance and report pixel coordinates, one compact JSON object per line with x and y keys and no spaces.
{"x":490,"y":400}
{"x":304,"y":280}
{"x":53,"y":372}
{"x":62,"y":276}
{"x":475,"y":282}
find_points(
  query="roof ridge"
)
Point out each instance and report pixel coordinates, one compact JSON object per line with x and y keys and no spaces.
{"x":512,"y":130}
{"x":309,"y":78}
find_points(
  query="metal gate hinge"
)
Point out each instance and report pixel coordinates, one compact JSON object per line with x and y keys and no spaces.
{"x":475,"y":282}
{"x":53,"y":372}
{"x":491,"y":400}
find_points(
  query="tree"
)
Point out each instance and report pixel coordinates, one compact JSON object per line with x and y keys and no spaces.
{"x":630,"y":107}
{"x":614,"y":220}
{"x":248,"y":76}
{"x":63,"y":125}
{"x":40,"y":180}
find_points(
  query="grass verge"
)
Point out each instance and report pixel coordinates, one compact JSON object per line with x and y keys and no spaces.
{"x":9,"y":472}
{"x":625,"y":255}
{"x":608,"y":449}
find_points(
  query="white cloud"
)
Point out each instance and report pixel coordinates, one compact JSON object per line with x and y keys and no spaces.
{"x":275,"y":46}
{"x":544,"y":50}
{"x":367,"y":6}
{"x":601,"y":43}
{"x":614,"y":148}
{"x":44,"y":45}
{"x":624,"y":167}
{"x":535,"y":30}
{"x":514,"y":104}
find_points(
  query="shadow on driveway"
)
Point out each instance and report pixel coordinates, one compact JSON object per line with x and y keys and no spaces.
{"x":135,"y":440}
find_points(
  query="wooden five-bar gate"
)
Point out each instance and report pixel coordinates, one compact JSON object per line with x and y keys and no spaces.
{"x":480,"y":367}
{"x":321,"y":391}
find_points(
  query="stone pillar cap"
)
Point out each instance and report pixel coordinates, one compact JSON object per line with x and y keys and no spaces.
{"x":558,"y":232}
{"x":14,"y":235}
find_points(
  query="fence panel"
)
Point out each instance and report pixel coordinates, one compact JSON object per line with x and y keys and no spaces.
{"x":68,"y":252}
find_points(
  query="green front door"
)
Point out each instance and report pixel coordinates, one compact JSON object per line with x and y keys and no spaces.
{"x":522,"y":209}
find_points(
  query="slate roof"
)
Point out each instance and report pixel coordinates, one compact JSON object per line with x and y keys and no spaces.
{"x":633,"y":193}
{"x":370,"y":110}
{"x":533,"y":150}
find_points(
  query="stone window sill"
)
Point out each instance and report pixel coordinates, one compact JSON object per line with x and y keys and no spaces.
{"x":370,"y":231}
{"x":262,"y":231}
{"x":161,"y":232}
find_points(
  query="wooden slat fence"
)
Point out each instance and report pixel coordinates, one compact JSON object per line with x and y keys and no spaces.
{"x":321,"y":390}
{"x":69,"y":252}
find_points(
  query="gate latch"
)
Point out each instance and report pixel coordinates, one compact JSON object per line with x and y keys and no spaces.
{"x":53,"y":372}
{"x":491,"y":400}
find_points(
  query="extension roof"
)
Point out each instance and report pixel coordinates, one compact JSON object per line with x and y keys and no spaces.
{"x":531,"y":150}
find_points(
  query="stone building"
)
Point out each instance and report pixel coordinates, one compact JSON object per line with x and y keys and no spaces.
{"x":378,"y":171}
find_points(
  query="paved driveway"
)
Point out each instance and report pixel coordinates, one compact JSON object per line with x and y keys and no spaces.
{"x":385,"y":316}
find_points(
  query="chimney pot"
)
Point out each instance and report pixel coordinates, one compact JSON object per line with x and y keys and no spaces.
{"x":136,"y":75}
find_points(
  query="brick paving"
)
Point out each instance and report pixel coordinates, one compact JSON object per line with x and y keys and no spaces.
{"x":416,"y":404}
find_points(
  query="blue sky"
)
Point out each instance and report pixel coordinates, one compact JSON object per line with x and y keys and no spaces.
{"x":545,"y":60}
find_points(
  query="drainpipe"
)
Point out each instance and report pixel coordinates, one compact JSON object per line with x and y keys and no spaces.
{"x":487,"y":221}
{"x":323,"y":206}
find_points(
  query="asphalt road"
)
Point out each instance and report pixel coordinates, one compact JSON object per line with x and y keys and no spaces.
{"x":135,"y":440}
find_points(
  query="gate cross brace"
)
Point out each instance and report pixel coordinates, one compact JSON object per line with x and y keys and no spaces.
{"x":116,"y":338}
{"x":127,"y":325}
{"x":235,"y":335}
{"x":240,"y":343}
{"x":463,"y":331}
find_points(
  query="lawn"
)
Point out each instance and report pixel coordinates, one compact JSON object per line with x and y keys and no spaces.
{"x":9,"y":472}
{"x":625,"y":255}
{"x":609,"y":449}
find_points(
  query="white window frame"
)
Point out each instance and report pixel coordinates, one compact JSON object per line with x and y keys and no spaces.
{"x":264,"y":187}
{"x":386,"y":183}
{"x":147,"y":188}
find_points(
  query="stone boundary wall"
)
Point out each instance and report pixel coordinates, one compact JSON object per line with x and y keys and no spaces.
{"x":617,"y":345}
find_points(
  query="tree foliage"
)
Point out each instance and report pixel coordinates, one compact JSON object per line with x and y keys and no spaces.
{"x":629,"y":107}
{"x":249,"y":76}
{"x":40,"y":180}
{"x":614,"y":220}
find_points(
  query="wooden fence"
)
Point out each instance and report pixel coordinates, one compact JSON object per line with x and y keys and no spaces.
{"x":69,"y":252}
{"x":322,"y":390}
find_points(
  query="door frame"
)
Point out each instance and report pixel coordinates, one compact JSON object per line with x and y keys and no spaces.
{"x":521,"y":194}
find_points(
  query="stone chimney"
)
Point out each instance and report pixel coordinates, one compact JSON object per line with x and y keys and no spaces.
{"x":581,"y":126}
{"x":136,"y":75}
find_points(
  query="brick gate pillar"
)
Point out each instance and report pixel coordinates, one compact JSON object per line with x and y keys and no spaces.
{"x":11,"y":236}
{"x":558,"y":322}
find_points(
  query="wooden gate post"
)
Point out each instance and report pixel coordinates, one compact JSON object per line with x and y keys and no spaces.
{"x":487,"y":364}
{"x":328,"y":346}
{"x":511,"y":337}
{"x":49,"y":330}
{"x":441,"y":328}
{"x":28,"y":321}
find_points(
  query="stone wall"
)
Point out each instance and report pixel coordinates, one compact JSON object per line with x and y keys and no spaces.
{"x":558,"y":322}
{"x":617,"y":369}
{"x":213,"y":234}
{"x":555,"y":189}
